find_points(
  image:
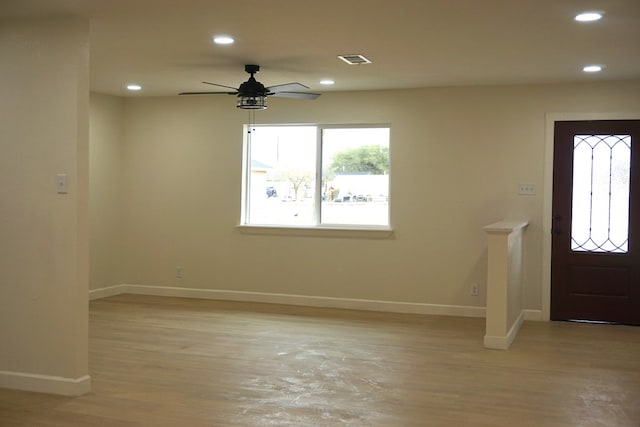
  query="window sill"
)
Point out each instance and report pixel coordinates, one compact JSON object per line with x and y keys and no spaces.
{"x":340,"y":232}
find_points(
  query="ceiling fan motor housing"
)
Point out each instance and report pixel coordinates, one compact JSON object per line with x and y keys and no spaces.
{"x":252,"y":87}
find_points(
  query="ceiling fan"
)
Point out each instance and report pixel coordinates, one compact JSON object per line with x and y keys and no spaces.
{"x":252,"y":94}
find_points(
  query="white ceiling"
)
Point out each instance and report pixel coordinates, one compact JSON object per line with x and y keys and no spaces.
{"x":165,"y":45}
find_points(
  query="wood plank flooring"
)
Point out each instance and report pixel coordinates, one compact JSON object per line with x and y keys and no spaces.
{"x":157,"y":361}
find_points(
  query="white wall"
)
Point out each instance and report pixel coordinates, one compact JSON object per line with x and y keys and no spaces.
{"x":44,"y":82}
{"x":105,"y":187}
{"x":457,"y":157}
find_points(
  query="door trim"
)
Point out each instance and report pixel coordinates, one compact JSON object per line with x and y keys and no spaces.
{"x":550,"y":120}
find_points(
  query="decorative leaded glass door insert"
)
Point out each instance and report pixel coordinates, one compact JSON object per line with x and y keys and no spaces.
{"x":595,"y":266}
{"x":600,"y":211}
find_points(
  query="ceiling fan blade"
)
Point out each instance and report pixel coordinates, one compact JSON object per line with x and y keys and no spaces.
{"x":208,"y":93}
{"x":297,"y":95}
{"x":216,"y":84}
{"x":287,"y":87}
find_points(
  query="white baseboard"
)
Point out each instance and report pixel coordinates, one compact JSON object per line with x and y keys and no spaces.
{"x":533,"y":315}
{"x":45,"y":383}
{"x":503,"y":343}
{"x":288,"y":299}
{"x":109,"y":291}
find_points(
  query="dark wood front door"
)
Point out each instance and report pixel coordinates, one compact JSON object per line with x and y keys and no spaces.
{"x":595,"y":262}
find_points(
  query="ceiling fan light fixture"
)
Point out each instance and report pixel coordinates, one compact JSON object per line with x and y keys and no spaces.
{"x":252,"y":102}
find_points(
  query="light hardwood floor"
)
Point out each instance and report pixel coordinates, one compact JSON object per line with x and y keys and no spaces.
{"x":178,"y":362}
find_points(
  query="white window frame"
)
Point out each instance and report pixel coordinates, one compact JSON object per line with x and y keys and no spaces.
{"x":316,"y":229}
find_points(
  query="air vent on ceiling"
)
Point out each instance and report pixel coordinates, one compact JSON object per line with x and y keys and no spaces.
{"x":354,"y":59}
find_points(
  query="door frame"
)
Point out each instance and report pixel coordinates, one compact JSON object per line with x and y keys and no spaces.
{"x":550,"y":120}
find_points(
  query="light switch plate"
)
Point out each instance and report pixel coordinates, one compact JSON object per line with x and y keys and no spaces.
{"x":62,"y":183}
{"x":527,"y":189}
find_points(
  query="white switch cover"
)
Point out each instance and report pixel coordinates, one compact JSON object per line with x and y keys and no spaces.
{"x":62,"y":183}
{"x":527,"y":189}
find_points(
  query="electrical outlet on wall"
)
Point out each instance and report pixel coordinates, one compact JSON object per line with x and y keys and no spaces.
{"x":179,"y":272}
{"x":474,"y":289}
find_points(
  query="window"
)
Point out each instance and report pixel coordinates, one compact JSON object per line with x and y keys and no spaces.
{"x":316,"y":176}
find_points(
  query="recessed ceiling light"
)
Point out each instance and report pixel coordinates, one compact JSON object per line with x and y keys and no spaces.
{"x":134,"y":87}
{"x":590,"y":16}
{"x":327,"y":82}
{"x":223,"y":39}
{"x":592,"y":68}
